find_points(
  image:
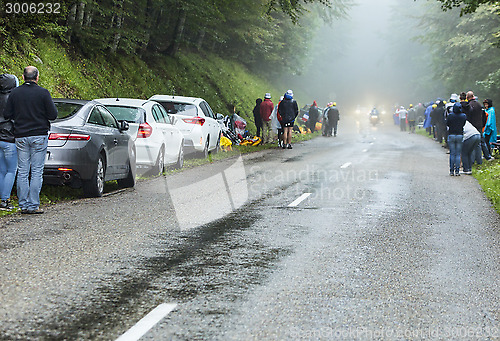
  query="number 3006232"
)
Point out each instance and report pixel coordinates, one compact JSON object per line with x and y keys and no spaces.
{"x":32,"y":8}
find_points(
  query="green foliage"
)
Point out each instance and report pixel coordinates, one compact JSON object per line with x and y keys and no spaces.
{"x":488,"y":175}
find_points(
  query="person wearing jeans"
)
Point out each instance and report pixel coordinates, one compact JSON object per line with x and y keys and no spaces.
{"x":472,"y":138}
{"x":31,"y":154}
{"x":31,"y":108}
{"x":8,"y":152}
{"x":455,"y":122}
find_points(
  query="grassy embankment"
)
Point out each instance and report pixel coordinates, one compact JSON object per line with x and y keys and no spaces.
{"x":488,"y":176}
{"x":69,"y":75}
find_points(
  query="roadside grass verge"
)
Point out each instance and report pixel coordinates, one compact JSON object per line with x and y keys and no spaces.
{"x":488,"y":176}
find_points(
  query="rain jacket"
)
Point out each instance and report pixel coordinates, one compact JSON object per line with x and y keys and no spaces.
{"x":7,"y":83}
{"x":491,"y":125}
{"x":427,"y":121}
{"x":288,"y":110}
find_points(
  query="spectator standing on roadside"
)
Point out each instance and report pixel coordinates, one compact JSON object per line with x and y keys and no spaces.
{"x":428,"y":120}
{"x":412,"y":118}
{"x":31,"y":107}
{"x":266,"y":109}
{"x":490,"y":129}
{"x":402,"y":118}
{"x":472,"y":138}
{"x":440,"y":121}
{"x":313,"y":117}
{"x":420,"y":112}
{"x":333,"y":120}
{"x":256,"y":116}
{"x":288,"y":109}
{"x":8,"y":151}
{"x":455,"y":122}
{"x":474,"y":112}
{"x":276,"y":123}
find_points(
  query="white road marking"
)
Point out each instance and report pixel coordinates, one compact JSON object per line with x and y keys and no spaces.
{"x":345,"y":165}
{"x":147,"y":322}
{"x":299,"y":200}
{"x":365,"y":150}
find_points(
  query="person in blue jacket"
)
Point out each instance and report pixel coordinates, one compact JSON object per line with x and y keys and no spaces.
{"x":490,"y":129}
{"x":427,"y":122}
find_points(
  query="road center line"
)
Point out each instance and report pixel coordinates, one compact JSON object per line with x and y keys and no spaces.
{"x":345,"y":165}
{"x":147,"y":322}
{"x":299,"y":200}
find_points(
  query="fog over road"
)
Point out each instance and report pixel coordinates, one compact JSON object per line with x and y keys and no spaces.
{"x":380,"y":242}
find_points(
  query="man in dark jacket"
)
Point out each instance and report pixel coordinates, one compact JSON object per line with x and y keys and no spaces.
{"x":333,"y":120}
{"x":313,"y":117}
{"x":256,"y":116}
{"x":288,"y":110}
{"x":474,"y":112}
{"x":31,"y":107}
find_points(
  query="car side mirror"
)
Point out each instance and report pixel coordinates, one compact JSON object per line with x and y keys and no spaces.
{"x":123,"y":125}
{"x":220,"y":116}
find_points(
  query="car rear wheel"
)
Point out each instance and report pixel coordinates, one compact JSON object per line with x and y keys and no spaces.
{"x":180,"y":159}
{"x":204,"y":153}
{"x":129,"y":181}
{"x":160,"y":163}
{"x":95,"y":186}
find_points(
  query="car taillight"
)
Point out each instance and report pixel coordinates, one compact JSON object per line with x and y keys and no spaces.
{"x":195,"y":120}
{"x":69,"y":137}
{"x":145,"y":130}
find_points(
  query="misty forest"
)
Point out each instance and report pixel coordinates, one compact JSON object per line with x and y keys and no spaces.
{"x":357,"y":52}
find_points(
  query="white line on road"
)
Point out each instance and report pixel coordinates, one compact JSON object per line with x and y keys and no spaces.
{"x":147,"y":322}
{"x":299,"y":199}
{"x":345,"y":165}
{"x":365,"y":150}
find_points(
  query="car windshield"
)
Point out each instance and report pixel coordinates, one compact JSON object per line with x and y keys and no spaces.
{"x":66,"y":110}
{"x":180,"y":108}
{"x":129,"y":114}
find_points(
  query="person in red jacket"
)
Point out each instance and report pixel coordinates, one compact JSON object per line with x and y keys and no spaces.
{"x":266,"y":109}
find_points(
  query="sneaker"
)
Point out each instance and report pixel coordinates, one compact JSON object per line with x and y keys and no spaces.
{"x":468,"y":173}
{"x":289,"y":146}
{"x":37,"y":211}
{"x":452,"y":174}
{"x":6,"y":205}
{"x":283,"y":146}
{"x":490,"y":159}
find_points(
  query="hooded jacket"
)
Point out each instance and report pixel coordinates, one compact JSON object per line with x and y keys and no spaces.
{"x":7,"y":83}
{"x":266,"y":108}
{"x":288,"y":109}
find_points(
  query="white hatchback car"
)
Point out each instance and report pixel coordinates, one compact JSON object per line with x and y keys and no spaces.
{"x":159,"y":142}
{"x":196,"y":121}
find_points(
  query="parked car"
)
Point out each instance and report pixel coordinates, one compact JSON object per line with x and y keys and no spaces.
{"x":196,"y":120}
{"x":88,"y":146}
{"x":158,"y":142}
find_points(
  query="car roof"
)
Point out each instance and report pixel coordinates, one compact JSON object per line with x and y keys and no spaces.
{"x":69,"y":100}
{"x":181,"y":99}
{"x":133,"y":102}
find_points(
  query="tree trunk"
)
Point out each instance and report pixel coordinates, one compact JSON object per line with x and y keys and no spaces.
{"x":174,"y":47}
{"x":81,"y":13}
{"x":201,"y":37}
{"x":119,"y":21}
{"x":70,"y":21}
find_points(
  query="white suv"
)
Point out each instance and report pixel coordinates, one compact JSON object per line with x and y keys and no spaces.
{"x":195,"y":119}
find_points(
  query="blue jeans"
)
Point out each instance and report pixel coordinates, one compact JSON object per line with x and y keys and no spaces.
{"x":8,"y":168}
{"x":455,"y":143}
{"x":468,"y":151}
{"x":31,"y":155}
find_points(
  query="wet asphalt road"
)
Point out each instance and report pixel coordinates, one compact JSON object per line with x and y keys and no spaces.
{"x":385,"y":246}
